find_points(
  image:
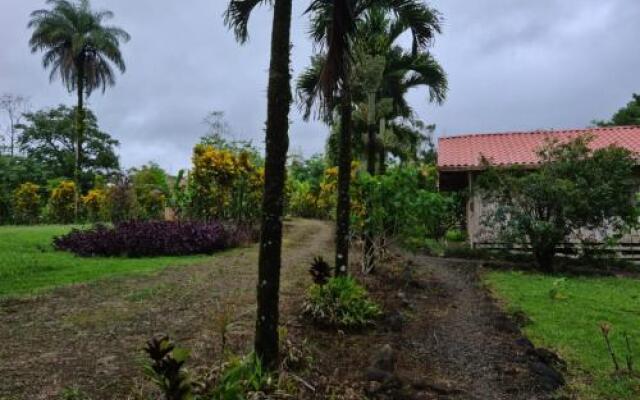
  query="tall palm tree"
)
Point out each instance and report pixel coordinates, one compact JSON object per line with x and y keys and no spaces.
{"x":335,"y":28}
{"x":277,"y":144}
{"x":82,"y":51}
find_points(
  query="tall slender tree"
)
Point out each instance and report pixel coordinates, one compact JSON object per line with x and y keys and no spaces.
{"x":277,"y":144}
{"x":82,"y":51}
{"x":335,"y":28}
{"x":14,"y":106}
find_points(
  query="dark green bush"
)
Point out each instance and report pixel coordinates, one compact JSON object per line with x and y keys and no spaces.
{"x":341,"y":302}
{"x":166,"y":368}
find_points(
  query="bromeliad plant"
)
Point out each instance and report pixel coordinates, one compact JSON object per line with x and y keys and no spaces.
{"x":342,"y":302}
{"x":320,"y":271}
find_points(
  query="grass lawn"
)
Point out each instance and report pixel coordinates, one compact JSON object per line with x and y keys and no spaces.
{"x":569,"y":322}
{"x":29,"y":264}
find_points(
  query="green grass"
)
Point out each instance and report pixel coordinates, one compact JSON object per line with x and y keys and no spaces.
{"x":29,"y":264}
{"x":566,"y":315}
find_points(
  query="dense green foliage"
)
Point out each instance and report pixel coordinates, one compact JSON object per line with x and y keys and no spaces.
{"x":47,"y":138}
{"x":152,"y":190}
{"x":574,"y":188}
{"x":29,"y":264}
{"x":340,"y":302}
{"x":627,"y":115}
{"x":566,"y":315}
{"x":404,"y":203}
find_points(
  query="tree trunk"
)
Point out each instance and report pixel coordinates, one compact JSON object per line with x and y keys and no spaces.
{"x":277,"y":144}
{"x":544,"y":256}
{"x":13,"y":134}
{"x":369,"y":254}
{"x":343,"y":209}
{"x":79,"y":135}
{"x":382,"y":163}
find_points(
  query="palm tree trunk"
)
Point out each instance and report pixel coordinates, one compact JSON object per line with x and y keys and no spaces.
{"x":343,"y":209}
{"x":79,"y":135}
{"x":277,"y":144}
{"x":382,"y":163}
{"x":369,"y":255}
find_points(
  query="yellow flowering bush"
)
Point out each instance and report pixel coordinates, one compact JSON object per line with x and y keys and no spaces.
{"x":225,"y":184}
{"x":304,"y":201}
{"x":26,"y":203}
{"x":94,"y":203}
{"x":62,"y":202}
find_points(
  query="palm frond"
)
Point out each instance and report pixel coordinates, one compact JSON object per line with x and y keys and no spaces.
{"x":237,"y":16}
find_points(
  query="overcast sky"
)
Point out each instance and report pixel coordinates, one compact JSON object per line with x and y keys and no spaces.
{"x":512,"y":65}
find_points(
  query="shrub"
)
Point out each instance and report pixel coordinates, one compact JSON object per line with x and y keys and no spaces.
{"x":151,"y":238}
{"x":152,"y":190}
{"x":225,"y":183}
{"x":455,"y":235}
{"x":94,"y":204}
{"x":152,"y":204}
{"x":341,"y":302}
{"x":121,"y":201}
{"x":166,"y":368}
{"x":26,"y":203}
{"x":62,"y":202}
{"x":241,"y":378}
{"x":575,"y":189}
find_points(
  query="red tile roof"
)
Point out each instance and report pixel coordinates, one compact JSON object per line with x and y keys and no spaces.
{"x":519,"y":148}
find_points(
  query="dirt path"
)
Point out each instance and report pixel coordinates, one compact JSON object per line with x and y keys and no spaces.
{"x":470,"y":347}
{"x":90,"y":336}
{"x":448,"y":337}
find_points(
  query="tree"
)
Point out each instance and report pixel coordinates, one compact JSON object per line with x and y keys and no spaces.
{"x":14,"y":106}
{"x":277,"y":144}
{"x":336,"y":27}
{"x":574,"y":190}
{"x":47,"y":138}
{"x":152,"y":189}
{"x":82,"y":51}
{"x":627,"y":115}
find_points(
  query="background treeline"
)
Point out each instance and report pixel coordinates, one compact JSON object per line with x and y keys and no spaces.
{"x":37,"y":185}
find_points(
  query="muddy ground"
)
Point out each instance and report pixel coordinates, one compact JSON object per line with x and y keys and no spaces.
{"x":448,"y":337}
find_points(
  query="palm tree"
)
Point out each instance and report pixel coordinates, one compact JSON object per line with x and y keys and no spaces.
{"x":336,"y":26}
{"x":82,"y":51}
{"x":277,"y":144}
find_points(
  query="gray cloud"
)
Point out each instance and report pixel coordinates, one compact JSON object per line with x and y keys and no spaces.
{"x":512,"y":65}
